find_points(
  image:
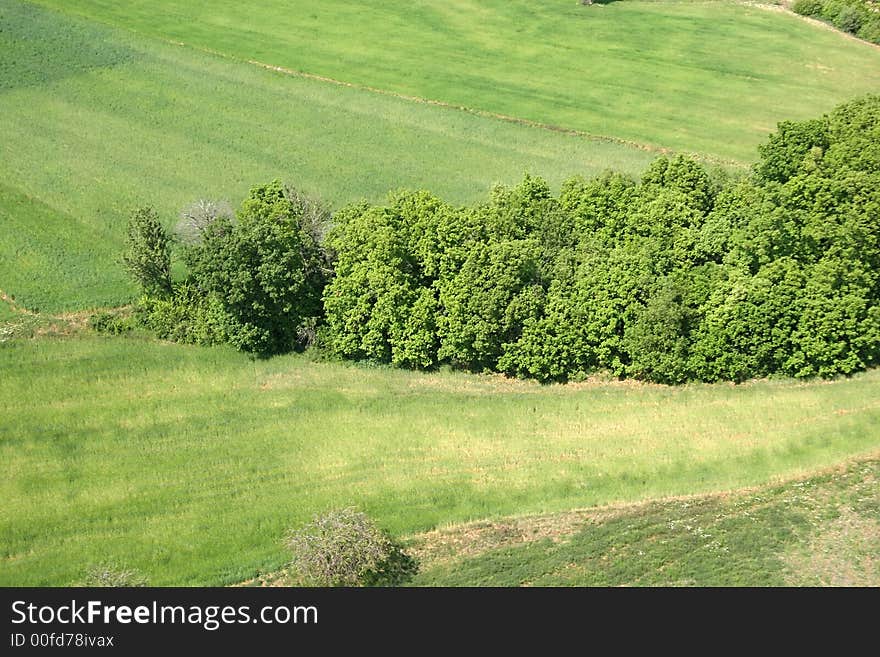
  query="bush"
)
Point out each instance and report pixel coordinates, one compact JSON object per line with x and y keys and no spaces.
{"x":849,"y":20}
{"x":187,"y":316}
{"x":112,"y":323}
{"x":346,"y":548}
{"x":807,"y":7}
{"x":113,"y":575}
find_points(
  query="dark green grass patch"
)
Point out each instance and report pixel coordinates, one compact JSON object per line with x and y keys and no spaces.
{"x":824,"y":530}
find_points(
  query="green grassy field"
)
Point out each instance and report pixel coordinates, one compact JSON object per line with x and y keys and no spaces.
{"x":709,"y":77}
{"x":190,"y":463}
{"x":97,"y":121}
{"x":820,"y":531}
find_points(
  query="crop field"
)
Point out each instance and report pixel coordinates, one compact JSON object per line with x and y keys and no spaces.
{"x":710,"y":77}
{"x":190,"y":464}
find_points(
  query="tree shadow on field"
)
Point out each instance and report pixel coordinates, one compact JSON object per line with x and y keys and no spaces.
{"x":40,"y":46}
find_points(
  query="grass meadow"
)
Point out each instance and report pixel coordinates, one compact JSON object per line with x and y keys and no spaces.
{"x":190,"y":464}
{"x":710,"y":77}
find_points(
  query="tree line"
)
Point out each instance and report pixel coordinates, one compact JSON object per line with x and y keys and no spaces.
{"x":687,"y":274}
{"x":860,"y":18}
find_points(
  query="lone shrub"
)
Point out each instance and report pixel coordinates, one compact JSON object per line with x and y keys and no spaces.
{"x":346,"y":548}
{"x":113,"y":575}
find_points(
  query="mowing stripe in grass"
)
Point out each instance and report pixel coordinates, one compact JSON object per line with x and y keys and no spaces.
{"x":709,"y":77}
{"x":190,"y":463}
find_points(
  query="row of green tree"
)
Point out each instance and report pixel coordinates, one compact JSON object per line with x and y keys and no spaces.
{"x":684,"y":275}
{"x":858,"y":17}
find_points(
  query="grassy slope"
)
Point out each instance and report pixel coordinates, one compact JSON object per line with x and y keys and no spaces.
{"x":124,"y":121}
{"x":710,"y":77}
{"x":189,"y":463}
{"x":821,"y":531}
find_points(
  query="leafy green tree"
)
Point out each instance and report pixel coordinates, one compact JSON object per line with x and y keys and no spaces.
{"x":264,"y":268}
{"x":748,"y":323}
{"x":784,"y":153}
{"x":839,"y":329}
{"x":683,"y":175}
{"x":488,"y":301}
{"x":660,"y":338}
{"x":147,"y":255}
{"x":599,"y":205}
{"x":382,"y":302}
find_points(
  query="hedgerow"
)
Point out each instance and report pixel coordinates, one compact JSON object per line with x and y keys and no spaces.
{"x":682,"y":276}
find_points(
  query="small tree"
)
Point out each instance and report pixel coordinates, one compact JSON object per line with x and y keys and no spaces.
{"x":346,"y":548}
{"x":148,"y":252}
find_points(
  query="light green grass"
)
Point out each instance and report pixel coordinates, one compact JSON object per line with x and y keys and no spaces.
{"x":820,"y":531}
{"x":189,"y":464}
{"x":709,"y":77}
{"x":97,"y":121}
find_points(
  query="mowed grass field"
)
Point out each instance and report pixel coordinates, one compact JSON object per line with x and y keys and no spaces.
{"x":190,"y":464}
{"x":823,"y":530}
{"x":703,"y":76}
{"x":97,"y":121}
